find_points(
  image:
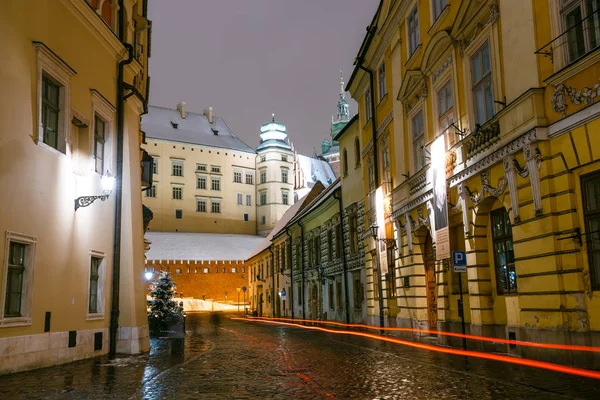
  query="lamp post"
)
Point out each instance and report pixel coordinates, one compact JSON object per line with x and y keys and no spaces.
{"x":238,"y":290}
{"x":389,"y":242}
{"x":108,"y":182}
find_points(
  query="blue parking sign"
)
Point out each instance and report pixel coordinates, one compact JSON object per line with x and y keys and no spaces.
{"x":459,"y":258}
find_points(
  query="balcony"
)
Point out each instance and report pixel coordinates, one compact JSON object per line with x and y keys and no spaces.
{"x":418,"y":181}
{"x":483,"y":138}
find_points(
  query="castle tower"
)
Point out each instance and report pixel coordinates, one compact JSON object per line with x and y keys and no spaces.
{"x":275,"y":175}
{"x":330,"y":147}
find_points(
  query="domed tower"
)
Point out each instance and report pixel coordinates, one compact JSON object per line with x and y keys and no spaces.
{"x":275,"y":175}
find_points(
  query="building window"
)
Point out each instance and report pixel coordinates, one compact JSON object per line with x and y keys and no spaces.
{"x":215,"y":206}
{"x":391,"y":275}
{"x":99,"y":140}
{"x":483,"y":92}
{"x":413,"y":31}
{"x":205,"y":270}
{"x":178,"y":213}
{"x":155,"y":165}
{"x":201,"y":182}
{"x":201,"y":205}
{"x":263,"y":176}
{"x":93,"y":297}
{"x":386,"y":173}
{"x":445,"y":112}
{"x":151,"y":192}
{"x":338,"y":293}
{"x":591,"y":211}
{"x":263,"y":197}
{"x":358,"y":293}
{"x":263,"y":220}
{"x":418,"y":134}
{"x":356,"y":152}
{"x":176,"y":167}
{"x":583,"y":29}
{"x":50,"y":111}
{"x":504,"y":257}
{"x":284,"y":157}
{"x":246,"y":217}
{"x":329,"y":245}
{"x":382,"y":88}
{"x":237,"y":177}
{"x":331,"y":294}
{"x":284,"y":175}
{"x":263,"y":158}
{"x":371,"y":172}
{"x":240,"y":199}
{"x":177,"y":271}
{"x":18,"y":278}
{"x":368,"y":104}
{"x":249,"y":179}
{"x":201,"y":167}
{"x":233,"y":270}
{"x":338,"y":241}
{"x":215,"y":169}
{"x":248,"y":200}
{"x":438,"y":7}
{"x":285,"y":194}
{"x":345,"y":162}
{"x":177,"y":193}
{"x":353,"y":226}
{"x":215,"y":183}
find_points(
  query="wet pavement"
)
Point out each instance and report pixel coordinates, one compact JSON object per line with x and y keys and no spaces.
{"x":232,"y":359}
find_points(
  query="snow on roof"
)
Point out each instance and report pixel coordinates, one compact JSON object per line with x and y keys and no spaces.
{"x":200,"y":246}
{"x":193,"y":129}
{"x":315,"y":170}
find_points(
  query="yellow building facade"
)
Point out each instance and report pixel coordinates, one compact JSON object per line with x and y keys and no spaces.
{"x":74,"y":87}
{"x":490,"y":121}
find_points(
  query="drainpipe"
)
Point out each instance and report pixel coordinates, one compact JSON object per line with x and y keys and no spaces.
{"x":373,"y":115}
{"x":287,"y":231}
{"x":302,"y":296}
{"x":272,"y":279}
{"x":114,"y":314}
{"x":345,"y":264}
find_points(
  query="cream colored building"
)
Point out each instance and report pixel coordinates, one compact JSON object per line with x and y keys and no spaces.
{"x":74,"y":83}
{"x":204,"y":176}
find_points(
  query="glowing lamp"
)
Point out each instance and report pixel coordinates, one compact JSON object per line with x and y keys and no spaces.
{"x":148,"y":275}
{"x":108,"y":183}
{"x":374,"y":228}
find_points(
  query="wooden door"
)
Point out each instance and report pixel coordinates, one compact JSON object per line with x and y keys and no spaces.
{"x":431,"y":284}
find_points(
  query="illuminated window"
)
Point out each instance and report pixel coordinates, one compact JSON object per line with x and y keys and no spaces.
{"x":50,"y":111}
{"x":99,"y":141}
{"x":504,"y":256}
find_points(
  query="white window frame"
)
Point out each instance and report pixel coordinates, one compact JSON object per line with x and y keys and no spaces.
{"x":178,"y":162}
{"x":237,"y":174}
{"x":240,"y":199}
{"x":260,"y":194}
{"x":28,"y":278}
{"x":198,"y":178}
{"x":155,"y":165}
{"x":173,"y":187}
{"x":563,"y":7}
{"x":100,"y":301}
{"x":285,"y":175}
{"x":152,"y":191}
{"x":285,"y":197}
{"x":217,"y":180}
{"x":248,"y":199}
{"x":107,"y":112}
{"x":199,"y":201}
{"x":249,"y":178}
{"x":263,"y":174}
{"x":214,"y":202}
{"x":412,"y":116}
{"x":51,"y":65}
{"x":215,"y":169}
{"x":412,"y":47}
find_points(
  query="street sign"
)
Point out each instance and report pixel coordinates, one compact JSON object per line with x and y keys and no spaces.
{"x":238,"y":289}
{"x":459,"y":260}
{"x":283,"y":294}
{"x":244,"y":288}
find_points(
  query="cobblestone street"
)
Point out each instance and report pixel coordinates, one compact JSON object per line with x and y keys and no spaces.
{"x":234,"y":359}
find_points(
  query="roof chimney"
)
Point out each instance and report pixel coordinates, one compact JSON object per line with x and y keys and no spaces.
{"x":181,"y":109}
{"x":208,"y":112}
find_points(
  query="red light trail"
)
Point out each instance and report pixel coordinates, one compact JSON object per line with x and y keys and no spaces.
{"x":468,"y":353}
{"x":441,"y":333}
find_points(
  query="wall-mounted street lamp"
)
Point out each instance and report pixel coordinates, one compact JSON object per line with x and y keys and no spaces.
{"x":108,"y":182}
{"x":389,"y":243}
{"x":148,"y":275}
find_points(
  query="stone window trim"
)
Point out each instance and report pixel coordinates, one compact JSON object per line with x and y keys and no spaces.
{"x":177,"y":167}
{"x":102,"y":108}
{"x":486,"y":35}
{"x":357,"y":152}
{"x":414,"y":163}
{"x":177,"y":192}
{"x":155,"y":164}
{"x":27,"y":298}
{"x":367,"y":105}
{"x":100,"y":314}
{"x":237,"y":176}
{"x":445,"y":118}
{"x":591,"y":215}
{"x":412,"y":31}
{"x":215,"y":206}
{"x":201,"y":204}
{"x":240,"y":199}
{"x":51,"y":65}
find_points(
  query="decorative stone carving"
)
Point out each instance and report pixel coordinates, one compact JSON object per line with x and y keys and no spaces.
{"x":509,"y":176}
{"x":486,"y":188}
{"x":532,"y":155}
{"x":585,"y":96}
{"x":417,"y":182}
{"x":424,"y":91}
{"x":435,"y":76}
{"x":494,"y":13}
{"x":493,"y":18}
{"x":483,"y":138}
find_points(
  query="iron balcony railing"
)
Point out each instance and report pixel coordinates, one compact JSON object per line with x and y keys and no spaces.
{"x":581,"y":45}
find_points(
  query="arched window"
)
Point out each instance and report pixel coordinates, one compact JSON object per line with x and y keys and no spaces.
{"x":504,"y":255}
{"x":345,"y":162}
{"x":356,"y":152}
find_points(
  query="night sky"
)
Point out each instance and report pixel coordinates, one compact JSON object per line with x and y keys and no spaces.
{"x":250,"y":58}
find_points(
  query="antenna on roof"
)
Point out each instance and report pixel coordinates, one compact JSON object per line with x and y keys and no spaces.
{"x":273,"y":117}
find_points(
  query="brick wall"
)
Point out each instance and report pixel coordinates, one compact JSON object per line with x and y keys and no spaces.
{"x":193,"y":281}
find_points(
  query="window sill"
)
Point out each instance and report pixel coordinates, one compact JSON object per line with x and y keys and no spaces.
{"x":436,"y":24}
{"x":49,"y":148}
{"x":94,"y":317}
{"x":15,"y":321}
{"x":413,"y":56}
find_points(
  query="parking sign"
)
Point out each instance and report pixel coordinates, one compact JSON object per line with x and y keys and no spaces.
{"x":459,"y":260}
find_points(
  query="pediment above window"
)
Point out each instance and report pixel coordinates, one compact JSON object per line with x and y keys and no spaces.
{"x":412,"y":84}
{"x":471,"y":14}
{"x":436,"y":49}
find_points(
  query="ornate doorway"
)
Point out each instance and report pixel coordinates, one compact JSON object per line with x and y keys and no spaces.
{"x":430,"y":283}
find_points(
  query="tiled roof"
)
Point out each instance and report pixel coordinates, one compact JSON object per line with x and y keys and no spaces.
{"x":200,"y":246}
{"x":193,"y":129}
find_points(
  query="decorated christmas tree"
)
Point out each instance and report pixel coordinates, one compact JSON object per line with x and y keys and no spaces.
{"x":162,"y":305}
